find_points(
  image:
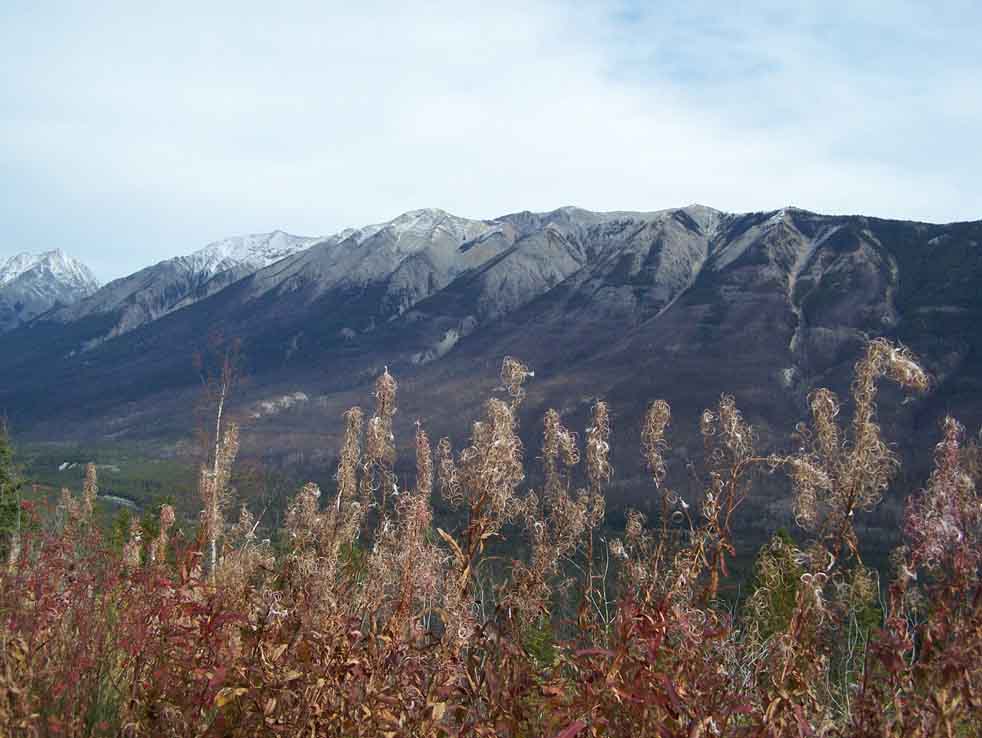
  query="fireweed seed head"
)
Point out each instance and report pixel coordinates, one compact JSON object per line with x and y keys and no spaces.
{"x":513,"y":376}
{"x":653,"y":444}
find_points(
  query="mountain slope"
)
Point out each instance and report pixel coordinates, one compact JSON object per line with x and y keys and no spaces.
{"x":31,"y":284}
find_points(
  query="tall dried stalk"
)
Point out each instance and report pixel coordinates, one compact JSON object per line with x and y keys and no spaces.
{"x":559,"y":449}
{"x":158,"y":548}
{"x":347,"y":473}
{"x":554,"y":524}
{"x":592,"y":500}
{"x":840,"y":473}
{"x":133,"y":547}
{"x":484,"y":479}
{"x":90,"y":490}
{"x":378,"y":481}
{"x":346,"y":513}
{"x":653,"y":447}
{"x":415,"y":560}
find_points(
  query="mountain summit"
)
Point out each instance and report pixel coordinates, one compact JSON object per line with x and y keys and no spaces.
{"x":255,"y":251}
{"x":31,"y":284}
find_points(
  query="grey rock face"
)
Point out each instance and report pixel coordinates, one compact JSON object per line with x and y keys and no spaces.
{"x":416,"y":254}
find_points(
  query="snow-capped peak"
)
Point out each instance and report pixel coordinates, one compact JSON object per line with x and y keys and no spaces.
{"x":15,"y":266}
{"x":425,"y":220}
{"x":422,"y":219}
{"x":55,"y":266}
{"x":31,"y":284}
{"x":256,"y":250}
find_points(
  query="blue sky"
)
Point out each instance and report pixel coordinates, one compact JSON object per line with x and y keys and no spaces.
{"x":130,"y":135}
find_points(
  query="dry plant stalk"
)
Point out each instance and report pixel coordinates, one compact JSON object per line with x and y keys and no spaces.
{"x":559,"y":446}
{"x":90,"y":490}
{"x":347,"y":474}
{"x":158,"y":547}
{"x":416,"y":563}
{"x":653,"y":444}
{"x":554,"y":525}
{"x":593,"y":502}
{"x":68,"y":509}
{"x":244,"y":563}
{"x":483,"y":479}
{"x":944,"y":523}
{"x":514,"y":374}
{"x":133,"y":546}
{"x":729,"y":442}
{"x":347,"y":513}
{"x":378,"y":481}
{"x":653,"y":448}
{"x":838,"y":474}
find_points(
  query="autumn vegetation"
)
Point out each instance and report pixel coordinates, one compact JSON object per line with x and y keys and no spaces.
{"x":363,"y":617}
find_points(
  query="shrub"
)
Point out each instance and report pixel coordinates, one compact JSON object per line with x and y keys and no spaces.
{"x":368,"y":620}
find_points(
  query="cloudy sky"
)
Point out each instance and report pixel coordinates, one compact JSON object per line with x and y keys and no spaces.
{"x":130,"y":135}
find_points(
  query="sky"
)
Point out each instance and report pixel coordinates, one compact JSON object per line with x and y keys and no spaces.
{"x":130,"y":134}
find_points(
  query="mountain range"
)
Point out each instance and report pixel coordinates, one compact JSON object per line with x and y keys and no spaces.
{"x":682,"y":303}
{"x":169,"y":285}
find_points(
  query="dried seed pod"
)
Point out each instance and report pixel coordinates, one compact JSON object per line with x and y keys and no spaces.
{"x":424,"y":463}
{"x":133,"y":546}
{"x":653,"y":444}
{"x":447,"y":474}
{"x":598,"y":468}
{"x":559,"y":445}
{"x":513,"y":376}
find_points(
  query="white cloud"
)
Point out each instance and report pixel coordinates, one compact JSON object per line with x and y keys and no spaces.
{"x":129,"y":137}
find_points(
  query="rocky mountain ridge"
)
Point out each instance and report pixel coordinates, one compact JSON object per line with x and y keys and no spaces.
{"x":682,"y":303}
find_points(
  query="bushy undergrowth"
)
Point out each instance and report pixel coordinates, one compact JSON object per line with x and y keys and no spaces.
{"x":363,"y":618}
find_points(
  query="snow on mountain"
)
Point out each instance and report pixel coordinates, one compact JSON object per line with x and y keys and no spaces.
{"x":255,"y":250}
{"x":16,"y":265}
{"x":427,"y":222}
{"x":406,"y":259}
{"x":413,"y":229}
{"x":50,"y":266}
{"x":417,"y":253}
{"x":31,"y":284}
